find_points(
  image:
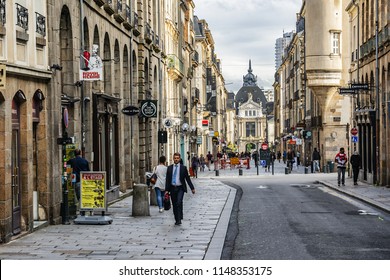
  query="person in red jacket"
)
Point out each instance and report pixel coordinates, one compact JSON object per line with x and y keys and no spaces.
{"x":341,"y":160}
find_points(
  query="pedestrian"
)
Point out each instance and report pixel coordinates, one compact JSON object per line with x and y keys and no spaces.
{"x":279,"y":156}
{"x":290,"y":159}
{"x":195,"y":164}
{"x":202,"y":161}
{"x":356,"y":163}
{"x":284,"y":157}
{"x":176,"y":184}
{"x":298,"y":158}
{"x":159,"y":187}
{"x":209,"y":157}
{"x":78,"y":164}
{"x":316,"y":157}
{"x":341,"y":160}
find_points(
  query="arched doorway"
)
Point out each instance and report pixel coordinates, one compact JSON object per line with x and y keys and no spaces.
{"x":18,"y":99}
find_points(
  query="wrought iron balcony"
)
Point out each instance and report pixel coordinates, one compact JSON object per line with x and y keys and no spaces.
{"x":148,"y":33}
{"x":127,"y":23}
{"x":21,"y":16}
{"x":108,"y":7}
{"x":175,"y":66}
{"x":119,"y":15}
{"x":136,"y":32}
{"x":40,"y":24}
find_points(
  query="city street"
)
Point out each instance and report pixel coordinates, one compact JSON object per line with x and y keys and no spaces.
{"x":280,"y":216}
{"x":295,"y":218}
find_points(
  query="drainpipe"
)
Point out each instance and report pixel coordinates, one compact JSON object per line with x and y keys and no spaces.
{"x":376,"y":135}
{"x":82,"y":84}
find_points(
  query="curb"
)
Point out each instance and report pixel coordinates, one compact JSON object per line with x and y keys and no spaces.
{"x":368,"y":200}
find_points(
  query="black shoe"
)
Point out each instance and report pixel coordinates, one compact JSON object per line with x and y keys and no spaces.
{"x":178,"y":223}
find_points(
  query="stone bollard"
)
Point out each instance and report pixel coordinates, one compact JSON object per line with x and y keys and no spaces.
{"x":140,"y":200}
{"x":153,"y":197}
{"x":240,"y":172}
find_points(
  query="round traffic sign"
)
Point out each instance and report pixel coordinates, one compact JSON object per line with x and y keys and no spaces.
{"x":264,"y":146}
{"x":354,"y":131}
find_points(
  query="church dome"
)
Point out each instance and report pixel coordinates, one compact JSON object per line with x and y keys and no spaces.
{"x":250,"y":87}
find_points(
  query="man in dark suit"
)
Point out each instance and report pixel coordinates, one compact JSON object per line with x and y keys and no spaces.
{"x":177,"y":176}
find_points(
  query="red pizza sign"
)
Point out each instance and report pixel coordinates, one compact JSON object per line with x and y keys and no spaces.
{"x":205,"y":122}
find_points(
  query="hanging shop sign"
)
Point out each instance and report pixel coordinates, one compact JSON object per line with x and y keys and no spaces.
{"x":92,"y":68}
{"x":149,"y":108}
{"x":130,"y":110}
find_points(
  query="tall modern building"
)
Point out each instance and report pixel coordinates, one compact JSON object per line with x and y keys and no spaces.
{"x":280,"y":44}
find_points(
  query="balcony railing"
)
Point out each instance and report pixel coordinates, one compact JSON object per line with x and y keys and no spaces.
{"x":2,"y":12}
{"x":40,"y":24}
{"x":21,"y":16}
{"x":119,"y":6}
{"x":175,"y":64}
{"x":136,"y":32}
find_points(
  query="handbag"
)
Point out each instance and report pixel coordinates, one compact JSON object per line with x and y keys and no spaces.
{"x":153,"y":179}
{"x":167,"y":201}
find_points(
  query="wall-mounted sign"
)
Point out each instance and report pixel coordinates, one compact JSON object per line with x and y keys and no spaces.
{"x":131,"y":110}
{"x":205,"y":122}
{"x":149,"y":108}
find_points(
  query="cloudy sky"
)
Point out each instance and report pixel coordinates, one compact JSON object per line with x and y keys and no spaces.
{"x":247,"y":29}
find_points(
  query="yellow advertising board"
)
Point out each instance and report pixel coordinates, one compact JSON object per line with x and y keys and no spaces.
{"x":93,"y":190}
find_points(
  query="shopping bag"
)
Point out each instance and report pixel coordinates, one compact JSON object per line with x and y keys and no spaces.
{"x":167,"y":201}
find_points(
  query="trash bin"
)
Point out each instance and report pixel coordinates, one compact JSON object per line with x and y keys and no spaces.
{"x":331,"y":166}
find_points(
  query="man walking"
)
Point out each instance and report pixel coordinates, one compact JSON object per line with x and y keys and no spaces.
{"x":316,"y":160}
{"x":78,"y":163}
{"x":341,"y":160}
{"x":356,"y":162}
{"x":177,"y":177}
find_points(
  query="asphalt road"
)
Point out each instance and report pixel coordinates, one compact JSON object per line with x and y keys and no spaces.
{"x":280,"y":218}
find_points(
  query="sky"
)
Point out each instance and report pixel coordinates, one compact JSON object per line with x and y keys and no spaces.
{"x":246,"y":30}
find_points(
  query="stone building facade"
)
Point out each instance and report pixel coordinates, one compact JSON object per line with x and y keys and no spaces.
{"x":24,"y":117}
{"x":91,"y":60}
{"x":369,"y":65}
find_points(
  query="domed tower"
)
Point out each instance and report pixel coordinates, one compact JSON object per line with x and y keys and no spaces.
{"x":251,"y":114}
{"x":250,"y":87}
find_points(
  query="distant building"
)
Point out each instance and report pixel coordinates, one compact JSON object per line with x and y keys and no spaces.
{"x":280,"y":44}
{"x":251,"y":114}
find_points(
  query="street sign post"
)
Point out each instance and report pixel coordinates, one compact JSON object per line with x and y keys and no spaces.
{"x":354,"y":131}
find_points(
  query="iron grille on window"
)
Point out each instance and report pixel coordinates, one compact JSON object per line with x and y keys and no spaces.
{"x":40,"y":24}
{"x":128,"y":13}
{"x":135,"y":20}
{"x":2,"y":11}
{"x":21,"y":16}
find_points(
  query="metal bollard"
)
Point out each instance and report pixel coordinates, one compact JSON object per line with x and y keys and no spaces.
{"x":240,"y":172}
{"x":216,"y":172}
{"x":306,"y":170}
{"x":286,"y":170}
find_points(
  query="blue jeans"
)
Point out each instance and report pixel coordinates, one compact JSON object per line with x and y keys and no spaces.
{"x":160,"y":197}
